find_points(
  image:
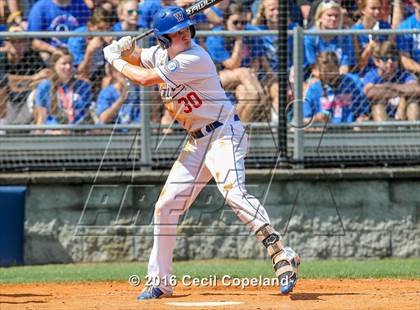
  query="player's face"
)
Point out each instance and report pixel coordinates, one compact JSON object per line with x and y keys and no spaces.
{"x":330,"y":19}
{"x":181,"y":40}
{"x":63,"y":68}
{"x":373,"y":9}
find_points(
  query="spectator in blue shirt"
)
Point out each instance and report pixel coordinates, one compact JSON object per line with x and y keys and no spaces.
{"x":119,"y":103}
{"x":364,"y":44}
{"x":87,"y":52}
{"x":238,"y":59}
{"x":335,"y":98}
{"x":409,"y":44}
{"x":62,"y":99}
{"x":328,"y":17}
{"x":394,"y":92}
{"x":56,"y":15}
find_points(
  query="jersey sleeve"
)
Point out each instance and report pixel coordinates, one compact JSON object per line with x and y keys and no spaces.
{"x":185,"y":68}
{"x":148,"y":56}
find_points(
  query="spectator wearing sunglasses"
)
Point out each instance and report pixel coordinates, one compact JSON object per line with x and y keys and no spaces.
{"x":394,"y":92}
{"x":127,"y":16}
{"x":238,"y":59}
{"x":328,"y":17}
{"x":365,"y":43}
{"x":335,"y":98}
{"x":408,"y":44}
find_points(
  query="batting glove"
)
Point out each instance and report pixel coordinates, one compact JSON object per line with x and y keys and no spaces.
{"x":112,"y":52}
{"x":125,"y":43}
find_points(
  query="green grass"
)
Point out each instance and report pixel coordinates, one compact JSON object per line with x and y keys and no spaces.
{"x":338,"y":269}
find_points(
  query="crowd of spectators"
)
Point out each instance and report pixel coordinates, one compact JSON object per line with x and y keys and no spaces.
{"x":347,"y":78}
{"x":376,"y":75}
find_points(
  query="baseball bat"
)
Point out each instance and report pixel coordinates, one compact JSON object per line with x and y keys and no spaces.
{"x":191,"y":11}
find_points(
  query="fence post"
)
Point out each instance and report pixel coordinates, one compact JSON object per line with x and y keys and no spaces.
{"x":145,"y":133}
{"x":298,"y":48}
{"x":283,"y":160}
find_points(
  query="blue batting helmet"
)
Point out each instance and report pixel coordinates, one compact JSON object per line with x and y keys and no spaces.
{"x":168,"y":20}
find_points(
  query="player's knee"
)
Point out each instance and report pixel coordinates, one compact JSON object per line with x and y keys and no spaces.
{"x":232,"y":193}
{"x":170,"y":207}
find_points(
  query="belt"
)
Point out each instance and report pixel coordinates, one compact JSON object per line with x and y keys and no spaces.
{"x":209,"y":128}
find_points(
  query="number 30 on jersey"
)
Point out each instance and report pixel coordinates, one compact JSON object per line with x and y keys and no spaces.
{"x":190,"y":101}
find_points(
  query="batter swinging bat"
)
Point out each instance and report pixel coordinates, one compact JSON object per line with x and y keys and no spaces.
{"x":191,"y":11}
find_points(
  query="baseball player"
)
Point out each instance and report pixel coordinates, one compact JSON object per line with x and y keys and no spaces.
{"x":192,"y":92}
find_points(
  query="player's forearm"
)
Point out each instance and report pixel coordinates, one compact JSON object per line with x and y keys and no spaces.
{"x":134,"y":58}
{"x":139,"y":75}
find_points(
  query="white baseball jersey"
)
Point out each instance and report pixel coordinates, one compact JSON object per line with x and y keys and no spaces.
{"x":192,"y":93}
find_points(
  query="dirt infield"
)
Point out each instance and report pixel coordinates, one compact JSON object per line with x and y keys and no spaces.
{"x":309,"y":294}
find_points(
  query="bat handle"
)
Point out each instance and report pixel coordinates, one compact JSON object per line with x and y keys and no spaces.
{"x":144,"y":34}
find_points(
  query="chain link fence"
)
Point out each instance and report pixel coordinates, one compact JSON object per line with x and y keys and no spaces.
{"x":100,"y":130}
{"x":354,"y":106}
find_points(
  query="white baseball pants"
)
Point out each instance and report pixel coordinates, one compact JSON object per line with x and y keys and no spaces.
{"x":221,"y":155}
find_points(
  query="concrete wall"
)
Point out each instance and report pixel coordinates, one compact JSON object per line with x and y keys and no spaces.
{"x":80,"y":217}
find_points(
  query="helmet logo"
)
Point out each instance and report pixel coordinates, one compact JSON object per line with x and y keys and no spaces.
{"x":179,"y":16}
